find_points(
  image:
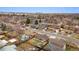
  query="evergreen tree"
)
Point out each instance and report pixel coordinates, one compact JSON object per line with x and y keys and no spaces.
{"x":36,"y":22}
{"x":40,"y":21}
{"x":3,"y":26}
{"x":39,"y":17}
{"x":28,"y":21}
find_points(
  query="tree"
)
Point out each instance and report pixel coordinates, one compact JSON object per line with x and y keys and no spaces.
{"x":77,"y":18}
{"x":36,"y":22}
{"x":28,"y":21}
{"x":3,"y":26}
{"x":40,"y":21}
{"x":39,"y":17}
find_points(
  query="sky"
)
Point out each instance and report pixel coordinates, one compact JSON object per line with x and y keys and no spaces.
{"x":41,"y":9}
